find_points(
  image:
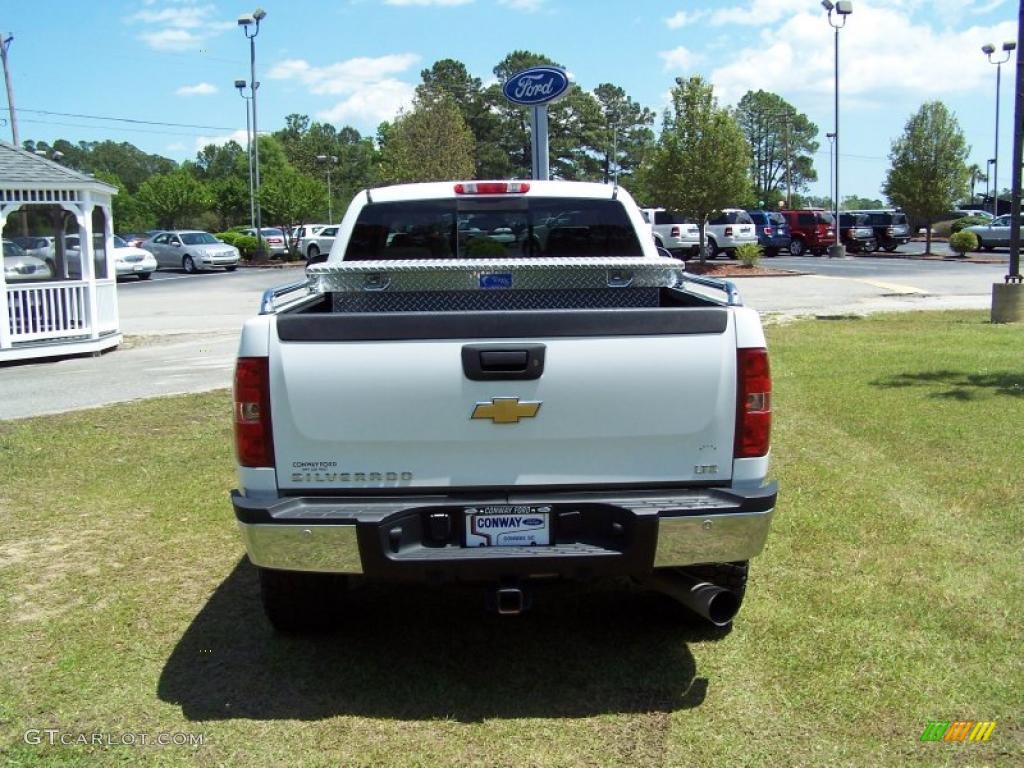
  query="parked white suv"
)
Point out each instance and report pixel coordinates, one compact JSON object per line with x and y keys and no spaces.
{"x":731,"y":228}
{"x":312,"y":245}
{"x":672,"y":231}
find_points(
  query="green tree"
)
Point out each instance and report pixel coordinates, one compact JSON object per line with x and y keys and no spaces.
{"x":700,"y":163}
{"x":172,"y":198}
{"x":782,"y":144}
{"x":430,"y":143}
{"x":290,"y":199}
{"x":977,"y":175}
{"x":929,"y":166}
{"x":856,"y":203}
{"x":129,"y":214}
{"x":628,"y":136}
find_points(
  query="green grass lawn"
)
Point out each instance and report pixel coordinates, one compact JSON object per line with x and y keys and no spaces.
{"x":889,"y":595}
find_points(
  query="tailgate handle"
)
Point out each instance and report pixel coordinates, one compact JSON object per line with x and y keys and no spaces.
{"x":501,"y":362}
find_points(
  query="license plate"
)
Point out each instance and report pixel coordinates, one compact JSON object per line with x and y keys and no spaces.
{"x":508,"y":526}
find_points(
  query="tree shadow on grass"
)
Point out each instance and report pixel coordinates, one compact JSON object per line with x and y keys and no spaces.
{"x":957,"y":385}
{"x":417,"y":653}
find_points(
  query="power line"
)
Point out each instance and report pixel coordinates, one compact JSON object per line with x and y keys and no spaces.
{"x":124,"y":129}
{"x":124,"y":119}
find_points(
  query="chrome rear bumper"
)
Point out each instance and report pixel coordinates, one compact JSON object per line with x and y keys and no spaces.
{"x":387,"y":538}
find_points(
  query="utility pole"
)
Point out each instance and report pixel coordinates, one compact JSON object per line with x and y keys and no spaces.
{"x":5,"y":43}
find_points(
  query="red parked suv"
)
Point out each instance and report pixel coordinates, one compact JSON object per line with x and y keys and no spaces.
{"x":812,"y":230}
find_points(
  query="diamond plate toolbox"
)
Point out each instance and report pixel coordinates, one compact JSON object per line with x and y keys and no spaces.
{"x":496,"y":274}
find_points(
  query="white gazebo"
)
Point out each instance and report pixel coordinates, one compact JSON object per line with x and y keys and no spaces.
{"x":59,"y":300}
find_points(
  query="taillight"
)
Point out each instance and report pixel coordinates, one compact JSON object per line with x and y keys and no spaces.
{"x":768,"y":231}
{"x":674,"y":232}
{"x":491,"y":188}
{"x":728,"y":231}
{"x":753,"y":403}
{"x":254,"y":440}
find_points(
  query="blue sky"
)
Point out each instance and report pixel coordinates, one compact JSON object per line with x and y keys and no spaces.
{"x":356,"y":62}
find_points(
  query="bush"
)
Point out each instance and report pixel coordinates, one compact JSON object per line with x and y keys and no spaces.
{"x":749,"y":254}
{"x":246,"y":245}
{"x":966,"y":221}
{"x":962,"y":242}
{"x":227,"y":237}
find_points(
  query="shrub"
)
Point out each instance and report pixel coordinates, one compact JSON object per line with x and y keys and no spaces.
{"x":749,"y":254}
{"x":246,"y":244}
{"x":962,"y":242}
{"x":227,"y":237}
{"x":966,"y":221}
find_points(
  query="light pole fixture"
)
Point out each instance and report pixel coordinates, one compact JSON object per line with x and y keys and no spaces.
{"x":250,"y":24}
{"x":240,"y":85}
{"x":988,"y":50}
{"x":330,"y":160}
{"x":841,"y":9}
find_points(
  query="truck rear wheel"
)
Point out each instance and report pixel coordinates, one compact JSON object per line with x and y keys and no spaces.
{"x":296,"y":602}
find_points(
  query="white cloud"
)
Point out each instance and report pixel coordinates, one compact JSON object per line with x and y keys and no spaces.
{"x":171,"y":39}
{"x":926,"y":63}
{"x":684,"y":18}
{"x":182,"y":24}
{"x":343,"y":77}
{"x":678,"y":59}
{"x":199,"y":89}
{"x":759,"y":12}
{"x":529,"y":6}
{"x":238,"y":136}
{"x":371,"y":105}
{"x":426,"y":2}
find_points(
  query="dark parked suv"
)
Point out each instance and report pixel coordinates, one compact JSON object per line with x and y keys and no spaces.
{"x":891,"y":228}
{"x":812,"y":230}
{"x":772,"y":231}
{"x":856,"y":233}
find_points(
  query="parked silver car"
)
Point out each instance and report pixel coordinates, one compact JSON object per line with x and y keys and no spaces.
{"x":994,"y":234}
{"x":320,"y":242}
{"x":19,"y":266}
{"x":191,"y":250}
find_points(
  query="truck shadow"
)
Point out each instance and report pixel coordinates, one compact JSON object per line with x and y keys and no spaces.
{"x":416,"y":653}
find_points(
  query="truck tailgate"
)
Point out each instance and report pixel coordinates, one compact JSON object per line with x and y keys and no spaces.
{"x":398,"y":413}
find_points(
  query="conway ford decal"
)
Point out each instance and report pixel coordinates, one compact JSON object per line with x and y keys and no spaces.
{"x":536,"y":86}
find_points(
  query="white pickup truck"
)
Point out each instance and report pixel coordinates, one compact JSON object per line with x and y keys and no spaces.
{"x":456,"y":396}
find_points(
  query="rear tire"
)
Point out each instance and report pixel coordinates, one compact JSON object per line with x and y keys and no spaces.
{"x":712,"y":249}
{"x":890,"y":248}
{"x":796,"y":247}
{"x":145,"y":275}
{"x":232,"y":268}
{"x":312,"y":252}
{"x":296,"y":602}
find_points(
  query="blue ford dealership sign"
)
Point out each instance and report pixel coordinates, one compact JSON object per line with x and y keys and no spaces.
{"x":536,"y":86}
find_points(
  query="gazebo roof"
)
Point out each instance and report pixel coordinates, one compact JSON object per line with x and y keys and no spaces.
{"x":19,"y":167}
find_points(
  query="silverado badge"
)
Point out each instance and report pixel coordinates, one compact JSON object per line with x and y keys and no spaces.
{"x":506,"y":410}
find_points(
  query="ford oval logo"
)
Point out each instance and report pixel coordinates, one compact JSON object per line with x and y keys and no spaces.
{"x":533,"y":521}
{"x":535,"y":86}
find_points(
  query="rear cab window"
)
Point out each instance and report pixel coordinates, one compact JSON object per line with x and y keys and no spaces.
{"x":494,"y":227}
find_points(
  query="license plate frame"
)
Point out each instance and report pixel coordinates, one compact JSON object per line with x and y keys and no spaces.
{"x":508,"y":525}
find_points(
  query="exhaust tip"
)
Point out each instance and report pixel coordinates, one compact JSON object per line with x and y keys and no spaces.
{"x":510,"y":601}
{"x":722,"y":607}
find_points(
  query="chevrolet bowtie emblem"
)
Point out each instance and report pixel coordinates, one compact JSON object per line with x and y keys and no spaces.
{"x":506,"y":410}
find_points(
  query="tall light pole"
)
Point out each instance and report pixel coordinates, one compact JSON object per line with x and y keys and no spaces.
{"x":252,"y":22}
{"x":988,"y":50}
{"x":330,"y":160}
{"x":842,"y":9}
{"x":240,"y":85}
